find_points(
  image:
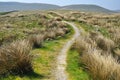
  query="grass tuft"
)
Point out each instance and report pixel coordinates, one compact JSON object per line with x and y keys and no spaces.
{"x":16,"y":58}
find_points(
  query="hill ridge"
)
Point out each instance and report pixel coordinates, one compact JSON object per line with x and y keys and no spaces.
{"x":11,"y":6}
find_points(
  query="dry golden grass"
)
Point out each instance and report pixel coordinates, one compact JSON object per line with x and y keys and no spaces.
{"x":16,"y":58}
{"x":101,"y":67}
{"x":95,"y":54}
{"x":60,"y":32}
{"x":102,"y":42}
{"x":80,"y":45}
{"x":36,"y":40}
{"x":105,"y":44}
{"x":101,"y":48}
{"x":50,"y":35}
{"x":115,"y":36}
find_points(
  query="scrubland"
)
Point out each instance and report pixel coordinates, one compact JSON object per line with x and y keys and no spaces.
{"x":95,"y":55}
{"x":98,"y":45}
{"x":21,"y":34}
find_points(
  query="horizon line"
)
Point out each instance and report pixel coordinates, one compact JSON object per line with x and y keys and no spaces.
{"x":54,"y":4}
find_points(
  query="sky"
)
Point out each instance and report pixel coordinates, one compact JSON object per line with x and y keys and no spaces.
{"x":109,"y":4}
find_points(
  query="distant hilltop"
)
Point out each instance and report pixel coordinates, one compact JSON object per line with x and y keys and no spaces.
{"x":13,"y":6}
{"x":117,"y":11}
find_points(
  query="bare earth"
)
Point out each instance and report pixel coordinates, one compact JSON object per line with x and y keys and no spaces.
{"x":60,"y":72}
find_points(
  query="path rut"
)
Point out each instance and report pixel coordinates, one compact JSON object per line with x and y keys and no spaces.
{"x":60,"y":71}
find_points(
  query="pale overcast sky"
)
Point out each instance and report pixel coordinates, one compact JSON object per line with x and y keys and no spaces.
{"x":109,"y":4}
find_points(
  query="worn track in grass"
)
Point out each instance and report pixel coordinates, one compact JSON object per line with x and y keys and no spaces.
{"x":60,"y":71}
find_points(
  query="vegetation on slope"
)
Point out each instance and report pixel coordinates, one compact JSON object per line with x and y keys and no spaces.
{"x":43,"y":60}
{"x":98,"y":46}
{"x":18,"y":51}
{"x":98,"y":61}
{"x":95,"y":54}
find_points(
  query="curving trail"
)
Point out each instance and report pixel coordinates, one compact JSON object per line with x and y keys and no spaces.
{"x":60,"y":71}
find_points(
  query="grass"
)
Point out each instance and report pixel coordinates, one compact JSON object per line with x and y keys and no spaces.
{"x":74,"y":68}
{"x":44,"y":59}
{"x":15,"y":59}
{"x":98,"y":66}
{"x":98,"y":62}
{"x":101,"y":67}
{"x":46,"y":56}
{"x":89,"y":28}
{"x":104,"y":32}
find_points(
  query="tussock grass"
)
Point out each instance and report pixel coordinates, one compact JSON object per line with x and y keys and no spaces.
{"x":102,"y":42}
{"x":95,"y":54}
{"x":50,"y":35}
{"x":100,"y":48}
{"x":80,"y":45}
{"x":35,"y":28}
{"x":105,"y":44}
{"x":16,"y":58}
{"x":101,"y":67}
{"x":36,"y":40}
{"x":114,"y":31}
{"x":66,"y":30}
{"x":60,"y":32}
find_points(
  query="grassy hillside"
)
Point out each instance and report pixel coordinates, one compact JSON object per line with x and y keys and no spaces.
{"x":117,"y":11}
{"x":31,"y":40}
{"x":97,"y":47}
{"x":86,"y":8}
{"x":11,"y":6}
{"x":29,"y":43}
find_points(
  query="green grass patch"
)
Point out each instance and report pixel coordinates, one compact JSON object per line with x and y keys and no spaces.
{"x":75,"y":70}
